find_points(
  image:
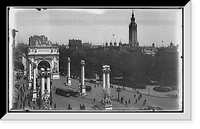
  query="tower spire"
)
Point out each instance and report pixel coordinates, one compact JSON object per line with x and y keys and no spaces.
{"x":132,"y":13}
{"x":133,"y":17}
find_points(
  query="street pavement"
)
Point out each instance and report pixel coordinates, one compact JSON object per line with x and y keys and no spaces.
{"x":92,"y":101}
{"x":165,"y":103}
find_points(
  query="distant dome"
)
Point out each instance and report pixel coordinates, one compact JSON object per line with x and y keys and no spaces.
{"x":120,"y":42}
{"x":110,"y":43}
{"x":171,"y":44}
{"x":153,"y":44}
{"x":106,"y":44}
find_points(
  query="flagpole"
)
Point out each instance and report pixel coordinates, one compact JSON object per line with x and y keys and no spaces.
{"x":162,"y":43}
{"x":113,"y":37}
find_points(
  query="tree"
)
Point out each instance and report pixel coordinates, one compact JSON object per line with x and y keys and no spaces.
{"x":76,"y":58}
{"x":124,"y":63}
{"x":18,"y":59}
{"x":166,"y":67}
{"x":123,"y":56}
{"x":22,"y":47}
{"x":91,"y":67}
{"x":79,"y":55}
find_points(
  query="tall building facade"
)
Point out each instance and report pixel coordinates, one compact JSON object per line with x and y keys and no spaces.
{"x":75,"y":44}
{"x":133,"y":41}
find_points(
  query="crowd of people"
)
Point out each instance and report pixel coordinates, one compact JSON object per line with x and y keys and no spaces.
{"x":137,"y":97}
{"x":24,"y":97}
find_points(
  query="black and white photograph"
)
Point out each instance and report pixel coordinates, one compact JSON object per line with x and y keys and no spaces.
{"x":96,"y":60}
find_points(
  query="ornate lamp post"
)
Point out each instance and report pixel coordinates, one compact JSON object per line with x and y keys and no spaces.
{"x":118,"y":90}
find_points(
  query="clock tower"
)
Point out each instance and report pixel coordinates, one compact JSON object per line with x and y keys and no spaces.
{"x":133,"y":32}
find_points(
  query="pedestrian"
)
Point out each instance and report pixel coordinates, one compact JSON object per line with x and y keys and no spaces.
{"x":129,"y":101}
{"x":126,"y":102}
{"x":18,"y":97}
{"x":138,"y":97}
{"x":25,"y":98}
{"x":136,"y":101}
{"x":69,"y":107}
{"x":144,"y":102}
{"x":29,"y":103}
{"x":134,"y":95}
{"x":55,"y":106}
{"x":23,"y":104}
{"x":94,"y":100}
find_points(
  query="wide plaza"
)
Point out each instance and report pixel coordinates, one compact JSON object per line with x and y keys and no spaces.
{"x":92,"y":100}
{"x":163,"y":101}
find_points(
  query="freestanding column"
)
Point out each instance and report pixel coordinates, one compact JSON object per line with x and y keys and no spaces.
{"x":68,"y":73}
{"x":104,"y":77}
{"x":30,"y":80}
{"x":34,"y":85}
{"x":83,"y":91}
{"x":43,"y":81}
{"x":48,"y":81}
{"x":108,"y":76}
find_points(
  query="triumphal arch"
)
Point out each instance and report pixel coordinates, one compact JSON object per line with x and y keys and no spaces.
{"x":43,"y":54}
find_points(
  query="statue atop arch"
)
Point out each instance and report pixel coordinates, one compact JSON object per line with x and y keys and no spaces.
{"x":36,"y":40}
{"x":41,"y":49}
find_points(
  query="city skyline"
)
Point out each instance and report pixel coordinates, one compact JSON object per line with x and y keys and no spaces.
{"x":159,"y":26}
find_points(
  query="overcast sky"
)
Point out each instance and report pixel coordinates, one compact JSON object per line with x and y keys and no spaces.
{"x":98,"y":25}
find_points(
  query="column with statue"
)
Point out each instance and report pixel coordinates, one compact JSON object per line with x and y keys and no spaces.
{"x":34,"y":83}
{"x":68,"y":72}
{"x":30,"y":79}
{"x":48,"y":80}
{"x":83,"y":88}
{"x":42,"y":81}
{"x":45,"y":96}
